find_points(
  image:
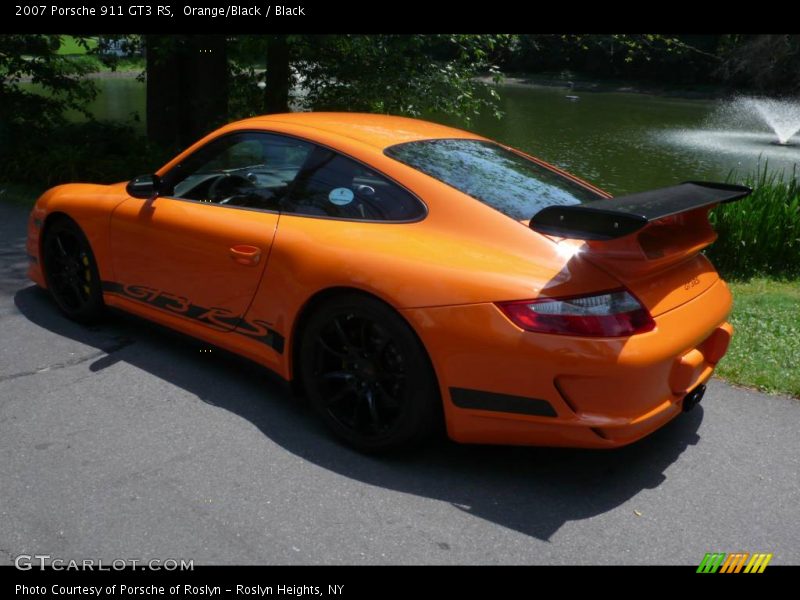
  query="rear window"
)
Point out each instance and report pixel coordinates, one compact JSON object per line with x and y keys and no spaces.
{"x":505,"y":180}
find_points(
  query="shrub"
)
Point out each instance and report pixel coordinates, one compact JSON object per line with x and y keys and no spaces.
{"x":97,"y":152}
{"x":760,"y":235}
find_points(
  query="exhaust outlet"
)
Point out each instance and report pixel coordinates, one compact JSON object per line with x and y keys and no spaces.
{"x":693,"y":398}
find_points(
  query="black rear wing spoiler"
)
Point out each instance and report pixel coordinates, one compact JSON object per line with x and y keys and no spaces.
{"x":618,"y":217}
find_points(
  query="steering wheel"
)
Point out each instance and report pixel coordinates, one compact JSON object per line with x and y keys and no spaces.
{"x":226,"y":187}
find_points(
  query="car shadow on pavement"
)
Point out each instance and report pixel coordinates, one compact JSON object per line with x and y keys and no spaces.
{"x":13,"y":264}
{"x":531,"y":490}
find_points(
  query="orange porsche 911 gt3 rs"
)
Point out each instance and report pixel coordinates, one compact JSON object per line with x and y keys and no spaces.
{"x":405,"y":274}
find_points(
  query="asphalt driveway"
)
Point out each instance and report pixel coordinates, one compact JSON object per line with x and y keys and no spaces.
{"x":126,"y":441}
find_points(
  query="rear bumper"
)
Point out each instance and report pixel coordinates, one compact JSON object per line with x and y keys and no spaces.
{"x":501,"y":385}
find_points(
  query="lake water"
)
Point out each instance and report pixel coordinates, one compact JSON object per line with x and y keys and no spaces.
{"x":622,"y":142}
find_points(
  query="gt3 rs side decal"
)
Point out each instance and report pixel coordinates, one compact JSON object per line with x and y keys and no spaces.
{"x":218,"y":318}
{"x":466,"y":398}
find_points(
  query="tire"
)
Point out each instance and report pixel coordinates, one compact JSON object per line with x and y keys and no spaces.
{"x":70,"y":271}
{"x":367,"y":375}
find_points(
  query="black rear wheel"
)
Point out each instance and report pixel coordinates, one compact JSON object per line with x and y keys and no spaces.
{"x":367,"y":375}
{"x":71,"y":271}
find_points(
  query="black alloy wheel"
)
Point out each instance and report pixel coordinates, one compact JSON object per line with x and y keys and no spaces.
{"x":367,"y":375}
{"x":71,"y":271}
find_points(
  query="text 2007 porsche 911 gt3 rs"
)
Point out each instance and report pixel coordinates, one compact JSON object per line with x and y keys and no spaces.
{"x":405,"y":273}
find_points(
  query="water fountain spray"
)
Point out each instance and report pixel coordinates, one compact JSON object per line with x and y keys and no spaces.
{"x":782,"y":116}
{"x":748,"y":127}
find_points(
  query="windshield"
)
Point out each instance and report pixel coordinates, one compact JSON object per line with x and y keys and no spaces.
{"x":514,"y":185}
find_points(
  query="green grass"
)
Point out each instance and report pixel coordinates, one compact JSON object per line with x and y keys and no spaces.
{"x":71,"y":49}
{"x":70,"y":46}
{"x":134,"y":63}
{"x":765,"y":351}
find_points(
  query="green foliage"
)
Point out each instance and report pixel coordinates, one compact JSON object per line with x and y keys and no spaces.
{"x":397,"y":74}
{"x":760,"y":235}
{"x":21,"y":194}
{"x":42,"y":77}
{"x":767,"y":63}
{"x":96,"y":152}
{"x":58,"y":81}
{"x":246,"y":61}
{"x":678,"y":59}
{"x":765,"y":351}
{"x":628,"y":48}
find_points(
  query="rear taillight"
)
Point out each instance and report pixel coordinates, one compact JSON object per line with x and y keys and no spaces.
{"x":609,"y":314}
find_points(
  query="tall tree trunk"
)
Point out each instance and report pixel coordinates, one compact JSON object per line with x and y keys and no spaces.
{"x":164,"y":102}
{"x":187,"y":87}
{"x":206,"y":85}
{"x":278,"y":74}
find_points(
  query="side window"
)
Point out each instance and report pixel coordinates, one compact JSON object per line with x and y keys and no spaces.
{"x":331,"y":185}
{"x":244,"y":169}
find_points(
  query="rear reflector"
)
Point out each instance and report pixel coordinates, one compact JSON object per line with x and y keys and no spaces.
{"x":615,"y":313}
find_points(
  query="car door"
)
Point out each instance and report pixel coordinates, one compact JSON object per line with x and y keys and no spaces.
{"x":199,"y":249}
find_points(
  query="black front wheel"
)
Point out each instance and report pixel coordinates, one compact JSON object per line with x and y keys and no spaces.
{"x":71,"y":271}
{"x":367,"y":375}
